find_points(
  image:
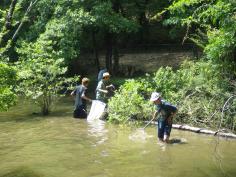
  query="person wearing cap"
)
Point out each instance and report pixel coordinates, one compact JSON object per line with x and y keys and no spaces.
{"x":165,"y":113}
{"x":81,"y":99}
{"x":104,"y":88}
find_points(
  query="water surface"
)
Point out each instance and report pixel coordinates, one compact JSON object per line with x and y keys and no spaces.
{"x":60,"y":146}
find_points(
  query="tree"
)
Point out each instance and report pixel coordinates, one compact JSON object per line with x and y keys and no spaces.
{"x":209,"y":24}
{"x":11,"y":29}
{"x":109,"y":19}
{"x":42,"y":77}
{"x":8,"y":79}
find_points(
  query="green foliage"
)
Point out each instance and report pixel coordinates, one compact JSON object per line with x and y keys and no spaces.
{"x":61,"y":25}
{"x":215,"y":19}
{"x":129,"y":102}
{"x":42,"y":77}
{"x":63,"y":22}
{"x":107,"y":19}
{"x":198,"y":89}
{"x":8,"y":78}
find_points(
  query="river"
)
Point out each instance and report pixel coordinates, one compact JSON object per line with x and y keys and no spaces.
{"x":60,"y":146}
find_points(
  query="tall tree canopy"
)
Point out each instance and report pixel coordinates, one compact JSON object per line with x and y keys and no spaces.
{"x":211,"y":24}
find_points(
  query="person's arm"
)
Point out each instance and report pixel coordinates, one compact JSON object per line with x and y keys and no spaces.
{"x":83,"y":96}
{"x":155,"y":114}
{"x":103,"y":91}
{"x":170,"y":118}
{"x":99,"y":88}
{"x":86,"y":98}
{"x":73,"y":93}
{"x":110,"y":86}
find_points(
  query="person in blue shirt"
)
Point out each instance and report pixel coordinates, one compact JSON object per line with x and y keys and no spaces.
{"x":165,"y":113}
{"x":81,"y":99}
{"x":100,"y":74}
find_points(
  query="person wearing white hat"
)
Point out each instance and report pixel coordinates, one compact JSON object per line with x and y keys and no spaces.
{"x":104,"y":88}
{"x":165,"y":113}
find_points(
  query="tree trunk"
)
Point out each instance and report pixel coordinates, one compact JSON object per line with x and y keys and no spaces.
{"x":9,"y":47}
{"x":8,"y":31}
{"x":8,"y":23}
{"x":115,"y":56}
{"x":109,"y":48}
{"x":97,"y":63}
{"x":116,"y":7}
{"x":143,"y":21}
{"x":32,"y":3}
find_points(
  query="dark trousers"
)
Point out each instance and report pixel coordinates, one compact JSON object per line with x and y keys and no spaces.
{"x":80,"y":112}
{"x":163,"y":128}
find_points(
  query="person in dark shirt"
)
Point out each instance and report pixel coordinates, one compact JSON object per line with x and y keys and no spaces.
{"x":80,"y":99}
{"x":165,"y":113}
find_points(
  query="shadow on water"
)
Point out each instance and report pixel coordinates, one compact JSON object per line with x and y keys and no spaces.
{"x":29,"y":117}
{"x":28,"y":111}
{"x":177,"y":141}
{"x":21,"y":172}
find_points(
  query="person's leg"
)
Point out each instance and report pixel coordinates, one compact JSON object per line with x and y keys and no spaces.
{"x":167,"y":132}
{"x":166,"y":138}
{"x":76,"y":113}
{"x":160,"y":129}
{"x":80,"y":112}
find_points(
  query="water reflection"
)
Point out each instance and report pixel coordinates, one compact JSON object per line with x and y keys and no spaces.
{"x":96,"y":128}
{"x":140,"y":135}
{"x":59,"y":146}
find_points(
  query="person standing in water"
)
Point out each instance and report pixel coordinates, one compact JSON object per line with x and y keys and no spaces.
{"x":100,"y":74}
{"x":165,"y":113}
{"x":104,"y":89}
{"x":81,"y":99}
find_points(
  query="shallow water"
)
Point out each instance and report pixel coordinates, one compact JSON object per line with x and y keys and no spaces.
{"x":60,"y":146}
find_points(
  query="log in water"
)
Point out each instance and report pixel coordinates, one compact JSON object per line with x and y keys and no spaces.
{"x":199,"y":130}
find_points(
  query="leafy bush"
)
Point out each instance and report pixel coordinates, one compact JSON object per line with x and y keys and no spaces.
{"x":8,"y":78}
{"x":198,"y":89}
{"x":210,"y":24}
{"x":129,"y":102}
{"x":42,"y":76}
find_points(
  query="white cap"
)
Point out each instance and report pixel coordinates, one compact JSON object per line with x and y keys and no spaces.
{"x":155,"y":96}
{"x":106,"y":74}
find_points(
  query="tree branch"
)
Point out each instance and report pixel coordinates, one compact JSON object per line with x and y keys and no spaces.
{"x":32,"y":3}
{"x":8,"y":23}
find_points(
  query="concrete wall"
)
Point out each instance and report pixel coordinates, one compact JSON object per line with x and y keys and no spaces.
{"x":139,"y":62}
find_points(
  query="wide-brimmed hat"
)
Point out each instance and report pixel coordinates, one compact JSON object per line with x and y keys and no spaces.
{"x":106,"y":74}
{"x":155,"y":96}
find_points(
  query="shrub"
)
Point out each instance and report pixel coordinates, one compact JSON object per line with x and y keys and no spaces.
{"x":8,"y":78}
{"x":199,"y":90}
{"x":129,"y":102}
{"x":42,"y":75}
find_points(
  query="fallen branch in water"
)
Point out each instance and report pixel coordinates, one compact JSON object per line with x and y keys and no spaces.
{"x":200,"y":130}
{"x":224,"y":108}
